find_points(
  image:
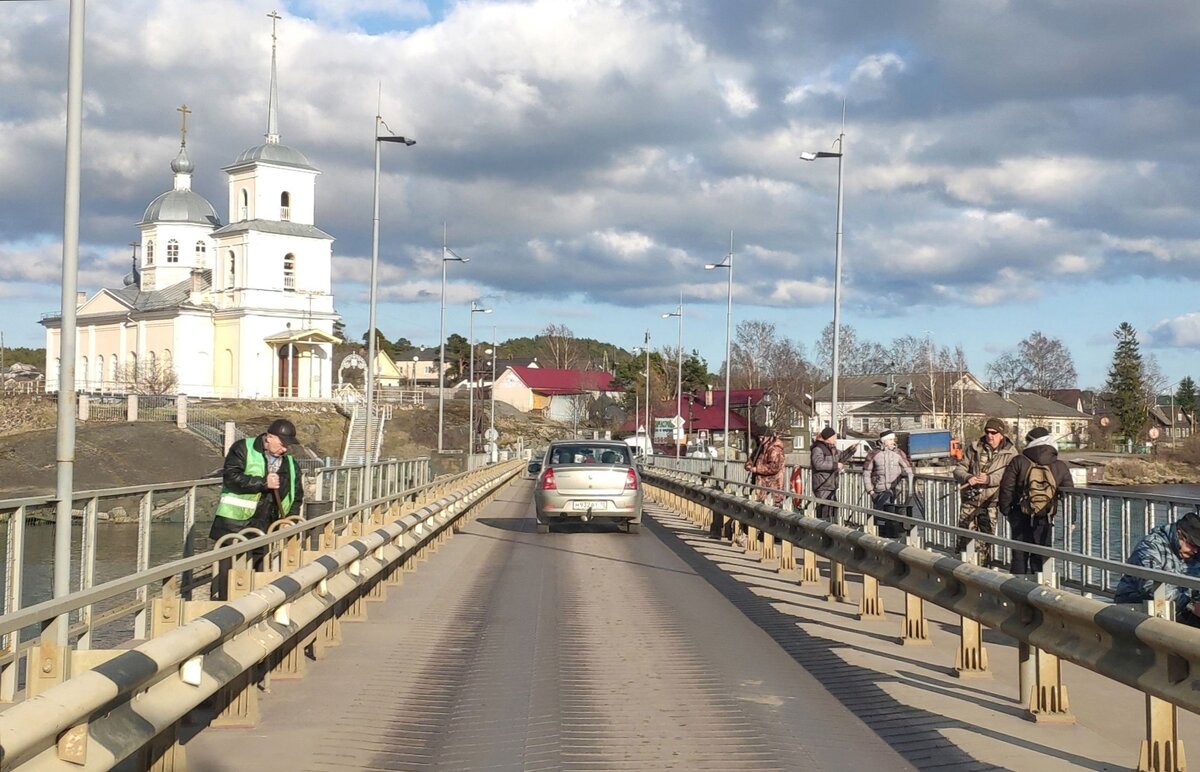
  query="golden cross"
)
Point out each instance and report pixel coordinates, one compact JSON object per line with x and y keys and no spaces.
{"x":274,"y":17}
{"x":183,"y":131}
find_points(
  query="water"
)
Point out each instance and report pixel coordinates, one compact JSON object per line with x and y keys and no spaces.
{"x":1183,"y":490}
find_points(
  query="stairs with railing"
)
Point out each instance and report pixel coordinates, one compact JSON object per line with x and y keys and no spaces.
{"x":365,"y":432}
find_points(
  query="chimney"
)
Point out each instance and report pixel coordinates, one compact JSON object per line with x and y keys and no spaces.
{"x":197,"y":293}
{"x":80,"y":298}
{"x":708,"y":399}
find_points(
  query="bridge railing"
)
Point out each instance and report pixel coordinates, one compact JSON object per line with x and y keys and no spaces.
{"x":1097,"y":522}
{"x":314,"y":573}
{"x":1135,"y":646}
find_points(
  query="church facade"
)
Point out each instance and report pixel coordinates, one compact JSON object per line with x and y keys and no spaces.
{"x":241,"y":310}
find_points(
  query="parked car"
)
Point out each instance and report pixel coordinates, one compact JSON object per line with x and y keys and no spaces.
{"x":588,"y":480}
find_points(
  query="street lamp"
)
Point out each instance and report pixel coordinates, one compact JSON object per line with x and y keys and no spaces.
{"x":370,"y":377}
{"x":727,"y":263}
{"x":649,"y":436}
{"x":475,"y":309}
{"x":840,"y":143}
{"x":494,"y":352}
{"x":448,"y":256}
{"x":679,"y":371}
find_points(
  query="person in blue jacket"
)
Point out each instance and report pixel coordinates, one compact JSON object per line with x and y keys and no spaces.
{"x":1175,"y":548}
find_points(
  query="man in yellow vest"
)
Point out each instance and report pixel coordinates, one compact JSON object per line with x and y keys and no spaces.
{"x":261,"y":482}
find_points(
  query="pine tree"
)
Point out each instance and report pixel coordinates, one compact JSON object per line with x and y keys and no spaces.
{"x":1125,"y":383}
{"x":1185,"y":395}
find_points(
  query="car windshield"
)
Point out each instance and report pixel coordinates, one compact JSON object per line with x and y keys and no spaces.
{"x":583,"y":453}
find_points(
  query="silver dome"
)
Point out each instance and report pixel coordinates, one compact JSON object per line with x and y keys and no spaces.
{"x":181,"y":206}
{"x":273,"y":152}
{"x":182,"y":164}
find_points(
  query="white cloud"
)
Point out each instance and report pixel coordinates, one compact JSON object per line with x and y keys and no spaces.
{"x":1181,"y":332}
{"x":738,"y":98}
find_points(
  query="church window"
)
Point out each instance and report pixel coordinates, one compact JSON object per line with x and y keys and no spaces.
{"x":172,"y":251}
{"x":100,"y":371}
{"x":227,"y":370}
{"x":245,"y":208}
{"x":83,"y":371}
{"x":131,"y":371}
{"x":149,"y":253}
{"x":230,"y":272}
{"x":151,"y":363}
{"x":285,"y":206}
{"x":201,"y":254}
{"x":289,"y":272}
{"x":113,"y":374}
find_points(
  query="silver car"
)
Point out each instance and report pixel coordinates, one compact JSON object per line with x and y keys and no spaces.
{"x":588,"y":480}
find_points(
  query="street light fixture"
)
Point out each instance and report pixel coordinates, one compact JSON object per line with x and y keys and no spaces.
{"x":475,"y":309}
{"x":368,"y":455}
{"x":679,"y":372}
{"x":494,"y":352}
{"x":840,"y":143}
{"x":727,"y":263}
{"x":448,"y":256}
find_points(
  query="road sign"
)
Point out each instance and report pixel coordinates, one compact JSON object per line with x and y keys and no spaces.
{"x":491,"y":435}
{"x":677,"y":422}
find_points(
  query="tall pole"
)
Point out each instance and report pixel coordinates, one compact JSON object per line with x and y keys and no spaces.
{"x":495,"y":454}
{"x":65,"y":441}
{"x":442,"y":348}
{"x":370,"y":378}
{"x":649,"y":429}
{"x":679,"y":372}
{"x":471,"y":388}
{"x":728,"y":350}
{"x":837,"y":275}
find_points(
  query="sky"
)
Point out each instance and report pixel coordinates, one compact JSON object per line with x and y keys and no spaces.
{"x":1009,"y":166}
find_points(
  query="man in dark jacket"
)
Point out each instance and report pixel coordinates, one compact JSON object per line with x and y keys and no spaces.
{"x":261,"y":482}
{"x":825,"y":465}
{"x":978,"y":474}
{"x":1029,"y":493}
{"x":1175,"y":548}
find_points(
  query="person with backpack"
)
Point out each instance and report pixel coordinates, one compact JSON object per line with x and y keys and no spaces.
{"x":882,"y":470}
{"x":1029,"y":493}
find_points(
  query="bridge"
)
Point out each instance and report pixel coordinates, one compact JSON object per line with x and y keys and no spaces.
{"x":432,"y":627}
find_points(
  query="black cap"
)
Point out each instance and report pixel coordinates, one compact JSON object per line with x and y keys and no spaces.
{"x":827,"y":432}
{"x":1190,"y":525}
{"x":285,"y":430}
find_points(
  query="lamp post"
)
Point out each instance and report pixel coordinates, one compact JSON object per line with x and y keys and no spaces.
{"x":645,"y":348}
{"x":495,"y":353}
{"x":679,"y":373}
{"x":448,"y":256}
{"x":475,"y":309}
{"x":727,"y":263}
{"x":368,"y":455}
{"x":840,"y":143}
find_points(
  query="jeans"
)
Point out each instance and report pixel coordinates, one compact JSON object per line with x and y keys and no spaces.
{"x":1031,"y":530}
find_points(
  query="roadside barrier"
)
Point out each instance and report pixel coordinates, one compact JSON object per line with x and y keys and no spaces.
{"x":1136,"y":647}
{"x":95,"y":708}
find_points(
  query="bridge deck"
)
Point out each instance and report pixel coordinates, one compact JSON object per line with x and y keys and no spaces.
{"x":598,"y":650}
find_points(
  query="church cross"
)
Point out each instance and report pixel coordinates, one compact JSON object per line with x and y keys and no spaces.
{"x":183,"y":130}
{"x":274,"y":17}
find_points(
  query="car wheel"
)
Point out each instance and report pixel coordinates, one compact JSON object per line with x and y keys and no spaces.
{"x":543,"y":527}
{"x":632,"y":527}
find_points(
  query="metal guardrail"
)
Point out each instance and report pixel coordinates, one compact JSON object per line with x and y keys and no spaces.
{"x":1154,"y":655}
{"x":1100,"y":522}
{"x":129,"y":701}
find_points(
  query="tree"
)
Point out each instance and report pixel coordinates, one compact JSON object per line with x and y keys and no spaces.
{"x":1048,"y":364}
{"x":558,"y":348}
{"x":1006,"y":372}
{"x":1126,"y":384}
{"x":458,"y":350}
{"x":151,"y":378}
{"x":381,"y":343}
{"x":1185,"y":396}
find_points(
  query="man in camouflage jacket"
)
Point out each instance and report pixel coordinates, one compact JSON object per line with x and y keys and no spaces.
{"x":766,"y":466}
{"x":978,"y":475}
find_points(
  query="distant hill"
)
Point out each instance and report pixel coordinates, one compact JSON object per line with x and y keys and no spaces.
{"x":25,"y":356}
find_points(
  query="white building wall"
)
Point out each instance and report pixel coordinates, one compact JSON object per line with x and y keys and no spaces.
{"x":194,"y":361}
{"x":511,"y":390}
{"x":300,"y":185}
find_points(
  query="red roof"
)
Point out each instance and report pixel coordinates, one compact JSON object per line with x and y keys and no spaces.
{"x":737,"y":397}
{"x":700,"y":417}
{"x":546,"y":380}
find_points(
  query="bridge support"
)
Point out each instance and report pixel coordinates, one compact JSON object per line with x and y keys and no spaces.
{"x":787,"y":556}
{"x":809,"y":573}
{"x":971,"y":660}
{"x":871,"y":605}
{"x":1040,"y":672}
{"x":915,"y":631}
{"x":1162,"y":750}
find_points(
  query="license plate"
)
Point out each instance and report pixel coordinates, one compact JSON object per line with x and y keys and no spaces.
{"x":589,"y":504}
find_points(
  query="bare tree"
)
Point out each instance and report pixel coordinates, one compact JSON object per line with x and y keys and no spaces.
{"x":751,"y":352}
{"x":1048,"y":364}
{"x":1006,"y":372}
{"x":559,"y":347}
{"x":151,"y":379}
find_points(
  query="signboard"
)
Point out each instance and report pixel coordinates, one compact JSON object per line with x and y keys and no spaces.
{"x":491,"y":435}
{"x":677,"y":422}
{"x":662,"y":428}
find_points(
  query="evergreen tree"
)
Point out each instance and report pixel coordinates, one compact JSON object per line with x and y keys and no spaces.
{"x":1126,"y":386}
{"x":1185,"y":395}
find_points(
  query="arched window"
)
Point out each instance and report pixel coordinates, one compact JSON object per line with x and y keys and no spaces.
{"x":289,"y":272}
{"x":201,"y":254}
{"x":245,"y":208}
{"x":172,"y":251}
{"x":150,"y":252}
{"x":114,"y":374}
{"x":166,"y":358}
{"x":83,"y":371}
{"x":131,"y":370}
{"x":285,"y":206}
{"x":151,"y":362}
{"x":100,"y":371}
{"x":230,"y":270}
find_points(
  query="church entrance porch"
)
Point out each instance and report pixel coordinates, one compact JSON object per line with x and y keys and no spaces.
{"x":302,"y":362}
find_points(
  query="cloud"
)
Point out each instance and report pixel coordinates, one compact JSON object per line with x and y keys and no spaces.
{"x":1180,"y":332}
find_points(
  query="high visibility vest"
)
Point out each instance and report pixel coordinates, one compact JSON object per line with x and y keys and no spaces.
{"x":241,"y":506}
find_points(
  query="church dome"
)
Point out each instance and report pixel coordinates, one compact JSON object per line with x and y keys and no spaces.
{"x":274,"y":152}
{"x":181,"y":206}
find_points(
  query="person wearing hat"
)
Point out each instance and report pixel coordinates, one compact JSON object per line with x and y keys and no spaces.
{"x":978,"y":474}
{"x":1029,"y":492}
{"x":882,"y":470}
{"x":261,"y":481}
{"x":1174,"y":548}
{"x":825,"y":464}
{"x":766,"y":465}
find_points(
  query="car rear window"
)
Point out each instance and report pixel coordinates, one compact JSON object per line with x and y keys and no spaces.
{"x":583,"y":453}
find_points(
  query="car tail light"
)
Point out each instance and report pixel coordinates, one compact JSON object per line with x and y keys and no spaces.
{"x":631,"y":481}
{"x":548,"y":481}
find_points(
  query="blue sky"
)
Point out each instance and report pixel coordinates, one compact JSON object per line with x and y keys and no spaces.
{"x":1010,"y":167}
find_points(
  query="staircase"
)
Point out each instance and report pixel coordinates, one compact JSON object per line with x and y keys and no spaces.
{"x":361,"y":429}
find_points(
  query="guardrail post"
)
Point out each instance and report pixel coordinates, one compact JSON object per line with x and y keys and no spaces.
{"x":141,"y":626}
{"x":916,"y":630}
{"x":971,"y":659}
{"x":46,"y":665}
{"x":871,"y":605}
{"x":809,"y":573}
{"x":787,"y":556}
{"x":837,"y":573}
{"x":15,"y":564}
{"x":1045,"y":695}
{"x":1162,"y":750}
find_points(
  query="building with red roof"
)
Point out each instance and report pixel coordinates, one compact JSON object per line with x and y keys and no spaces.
{"x":555,"y":393}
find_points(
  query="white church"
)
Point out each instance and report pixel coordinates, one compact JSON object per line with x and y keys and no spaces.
{"x":243,"y":310}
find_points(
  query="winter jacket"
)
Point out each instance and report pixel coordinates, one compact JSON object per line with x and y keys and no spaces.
{"x":237,"y":481}
{"x":1012,"y":484}
{"x":767,"y":464}
{"x":823,"y":459}
{"x":883,"y":468}
{"x":1159,"y":550}
{"x":979,"y":458}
